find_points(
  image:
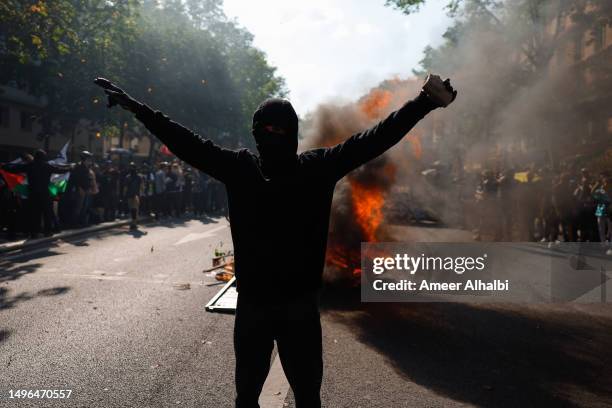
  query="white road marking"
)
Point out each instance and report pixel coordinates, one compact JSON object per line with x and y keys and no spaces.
{"x":275,"y":388}
{"x":194,"y":236}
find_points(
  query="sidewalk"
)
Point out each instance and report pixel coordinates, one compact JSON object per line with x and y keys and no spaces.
{"x":26,"y":243}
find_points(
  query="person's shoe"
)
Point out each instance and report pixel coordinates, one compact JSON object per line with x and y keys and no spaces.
{"x":609,"y":251}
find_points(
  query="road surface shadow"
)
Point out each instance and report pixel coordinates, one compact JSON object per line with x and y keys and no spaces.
{"x":489,"y":355}
{"x":16,"y":269}
{"x":137,"y":233}
{"x":173,"y":222}
{"x":8,"y":301}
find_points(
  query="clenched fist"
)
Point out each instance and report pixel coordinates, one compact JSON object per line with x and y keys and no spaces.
{"x":440,"y":92}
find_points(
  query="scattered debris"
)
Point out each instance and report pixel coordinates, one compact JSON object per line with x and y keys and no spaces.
{"x":225,"y":300}
{"x":224,"y":276}
{"x":214,"y":268}
{"x":182,"y":286}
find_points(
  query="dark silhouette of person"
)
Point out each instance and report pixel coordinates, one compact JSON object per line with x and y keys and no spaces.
{"x":133,"y":182}
{"x":39,"y":173}
{"x":80,"y":186}
{"x":279,"y":207}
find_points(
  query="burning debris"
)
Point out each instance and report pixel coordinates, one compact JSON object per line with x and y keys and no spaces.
{"x":357,"y":212}
{"x":222,"y":266}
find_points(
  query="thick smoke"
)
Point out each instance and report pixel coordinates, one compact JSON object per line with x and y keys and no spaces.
{"x":357,"y":213}
{"x":512,"y":112}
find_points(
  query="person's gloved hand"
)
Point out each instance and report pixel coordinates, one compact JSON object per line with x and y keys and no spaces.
{"x":440,"y":92}
{"x":117,"y":96}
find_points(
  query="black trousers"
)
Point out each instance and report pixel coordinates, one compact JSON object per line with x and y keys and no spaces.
{"x":41,"y":206}
{"x":295,"y":325}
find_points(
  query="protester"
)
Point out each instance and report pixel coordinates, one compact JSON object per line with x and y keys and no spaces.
{"x":601,"y":199}
{"x":281,"y":194}
{"x":160,"y":190}
{"x":187,"y":197}
{"x":172,"y":189}
{"x":133,"y":185}
{"x":81,"y":188}
{"x":489,"y":210}
{"x":39,"y":173}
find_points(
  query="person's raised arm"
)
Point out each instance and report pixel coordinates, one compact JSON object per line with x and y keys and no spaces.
{"x":188,"y":146}
{"x":369,"y":144}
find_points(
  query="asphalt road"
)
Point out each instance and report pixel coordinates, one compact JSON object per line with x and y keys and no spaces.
{"x":108,"y":317}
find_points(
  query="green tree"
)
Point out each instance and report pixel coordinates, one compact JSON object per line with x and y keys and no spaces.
{"x":183,"y":57}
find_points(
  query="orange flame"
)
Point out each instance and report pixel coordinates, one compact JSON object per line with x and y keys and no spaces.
{"x":344,"y":259}
{"x":375,"y":103}
{"x":367,"y":206}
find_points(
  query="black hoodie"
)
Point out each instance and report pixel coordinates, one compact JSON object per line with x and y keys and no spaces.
{"x":279,"y":222}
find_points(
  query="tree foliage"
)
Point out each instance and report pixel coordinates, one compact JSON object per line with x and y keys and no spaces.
{"x":516,"y":67}
{"x":184,"y":57}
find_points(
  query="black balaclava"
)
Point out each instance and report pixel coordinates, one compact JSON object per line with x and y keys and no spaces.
{"x":277,"y":152}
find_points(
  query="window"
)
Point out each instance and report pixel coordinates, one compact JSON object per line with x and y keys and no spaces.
{"x":26,"y":121}
{"x":5,"y":117}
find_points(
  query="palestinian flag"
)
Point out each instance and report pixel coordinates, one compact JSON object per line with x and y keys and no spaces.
{"x":59,"y":182}
{"x":18,"y":182}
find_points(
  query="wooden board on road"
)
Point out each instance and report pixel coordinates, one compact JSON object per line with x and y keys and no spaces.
{"x":225,"y":300}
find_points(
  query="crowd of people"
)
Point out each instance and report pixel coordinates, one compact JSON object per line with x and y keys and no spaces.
{"x":534,"y":205}
{"x":565,"y":205}
{"x":101,"y":190}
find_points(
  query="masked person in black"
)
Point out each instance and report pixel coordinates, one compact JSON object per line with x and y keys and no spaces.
{"x":39,"y":173}
{"x":279,"y":207}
